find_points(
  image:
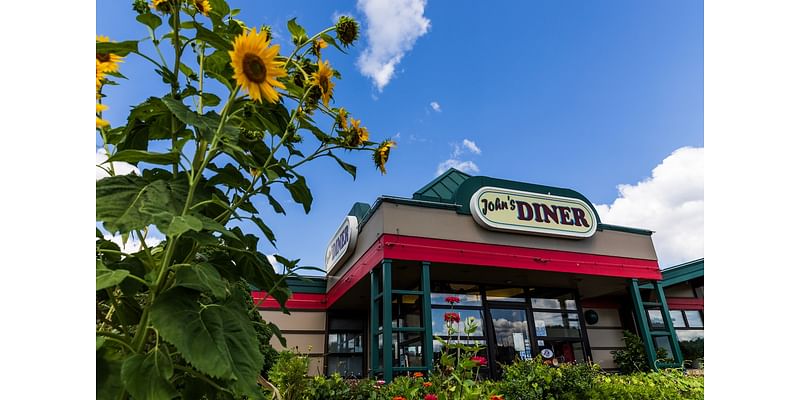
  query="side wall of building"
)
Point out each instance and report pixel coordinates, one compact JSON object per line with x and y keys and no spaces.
{"x":304,"y":331}
{"x":605,"y":336}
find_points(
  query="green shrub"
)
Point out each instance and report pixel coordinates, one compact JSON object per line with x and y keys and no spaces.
{"x":289,"y":375}
{"x":692,"y":350}
{"x":661,"y":385}
{"x":534,"y":380}
{"x":338,"y":388}
{"x":632,"y":358}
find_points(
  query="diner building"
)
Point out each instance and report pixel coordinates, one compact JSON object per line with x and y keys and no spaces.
{"x":532,"y":266}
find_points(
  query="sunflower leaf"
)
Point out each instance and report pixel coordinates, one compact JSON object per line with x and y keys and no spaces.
{"x":151,"y":20}
{"x":212,"y":38}
{"x":119,"y":48}
{"x":135,"y":156}
{"x":351,"y":169}
{"x":330,"y":40}
{"x":146,"y":376}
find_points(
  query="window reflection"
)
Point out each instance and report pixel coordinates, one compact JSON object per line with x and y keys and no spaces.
{"x":440,"y":328}
{"x":694,"y":318}
{"x":557,"y":324}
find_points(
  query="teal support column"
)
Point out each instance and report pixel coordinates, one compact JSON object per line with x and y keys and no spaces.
{"x":673,"y":338}
{"x":427,"y":345}
{"x":373,"y":322}
{"x":388,"y":356}
{"x":642,"y":321}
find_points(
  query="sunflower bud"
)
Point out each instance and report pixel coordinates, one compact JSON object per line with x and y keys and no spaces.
{"x":347,"y":30}
{"x":163,"y":6}
{"x":140,"y":6}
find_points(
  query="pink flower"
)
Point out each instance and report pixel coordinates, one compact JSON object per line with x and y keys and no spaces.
{"x":431,"y":397}
{"x":452,"y":299}
{"x":452,"y":317}
{"x":479,"y":360}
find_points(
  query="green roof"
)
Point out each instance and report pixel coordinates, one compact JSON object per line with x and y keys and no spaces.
{"x":682,"y":272}
{"x":443,"y":188}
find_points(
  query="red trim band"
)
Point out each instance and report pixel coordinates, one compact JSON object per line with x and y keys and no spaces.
{"x":684,"y":303}
{"x":298,"y":301}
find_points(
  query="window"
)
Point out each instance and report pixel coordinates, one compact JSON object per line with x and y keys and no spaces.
{"x":465,"y":301}
{"x":345,"y":354}
{"x":557,"y":326}
{"x":689,"y":330}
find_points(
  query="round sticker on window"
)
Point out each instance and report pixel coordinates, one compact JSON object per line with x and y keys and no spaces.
{"x":546,"y":353}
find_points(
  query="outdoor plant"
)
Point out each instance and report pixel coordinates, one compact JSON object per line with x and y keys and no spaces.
{"x":632,"y":358}
{"x":236,"y":121}
{"x":535,"y":380}
{"x":289,"y":374}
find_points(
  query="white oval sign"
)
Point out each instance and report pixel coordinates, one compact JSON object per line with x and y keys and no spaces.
{"x":546,"y":353}
{"x":342,"y":244}
{"x":544,"y":214}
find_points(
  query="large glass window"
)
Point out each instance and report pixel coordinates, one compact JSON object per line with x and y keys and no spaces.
{"x":440,"y":327}
{"x":689,"y":329}
{"x":563,"y":324}
{"x":466,"y":295}
{"x":557,"y":326}
{"x":345,"y":354}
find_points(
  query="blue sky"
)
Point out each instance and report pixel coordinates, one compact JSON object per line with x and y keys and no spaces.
{"x":585,"y":95}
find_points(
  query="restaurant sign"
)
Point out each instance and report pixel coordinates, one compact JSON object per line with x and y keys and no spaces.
{"x":535,"y":213}
{"x":342,"y":244}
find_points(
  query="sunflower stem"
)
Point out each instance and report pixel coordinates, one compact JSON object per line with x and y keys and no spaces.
{"x":310,"y":40}
{"x":176,"y":43}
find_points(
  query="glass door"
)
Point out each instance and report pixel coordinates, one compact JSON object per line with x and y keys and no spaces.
{"x":511,"y":335}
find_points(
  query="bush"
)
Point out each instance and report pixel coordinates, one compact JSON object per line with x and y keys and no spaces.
{"x":289,"y":375}
{"x":662,"y":385}
{"x":632,"y":358}
{"x":534,"y":380}
{"x":338,"y":388}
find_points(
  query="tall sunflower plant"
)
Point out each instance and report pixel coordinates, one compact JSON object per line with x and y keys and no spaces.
{"x":172,"y":317}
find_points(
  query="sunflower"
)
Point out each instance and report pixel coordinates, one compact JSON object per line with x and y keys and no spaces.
{"x":254,"y":65}
{"x":322,"y":78}
{"x":203,"y":7}
{"x":162,"y":5}
{"x":360,"y":133}
{"x":99,"y":122}
{"x":381,"y":154}
{"x":342,"y":119}
{"x":107,"y":62}
{"x":317,"y":47}
{"x":99,"y":76}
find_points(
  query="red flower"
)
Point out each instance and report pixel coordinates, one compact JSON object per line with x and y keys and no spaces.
{"x":431,"y":397}
{"x":452,"y":299}
{"x":479,"y":360}
{"x":496,"y":397}
{"x":452,"y":317}
{"x":418,"y":374}
{"x":398,"y":398}
{"x":427,"y":384}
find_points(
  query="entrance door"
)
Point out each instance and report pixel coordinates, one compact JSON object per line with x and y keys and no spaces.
{"x":511,"y":336}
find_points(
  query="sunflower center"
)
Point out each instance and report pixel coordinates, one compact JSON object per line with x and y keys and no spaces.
{"x":254,"y":68}
{"x":103,"y":57}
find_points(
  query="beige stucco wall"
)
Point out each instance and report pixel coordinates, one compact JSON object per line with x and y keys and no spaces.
{"x":301,"y":329}
{"x":605,"y":336}
{"x":679,"y":290}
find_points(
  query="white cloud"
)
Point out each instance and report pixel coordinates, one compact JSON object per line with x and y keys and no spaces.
{"x":470,"y":145}
{"x":669,"y":202}
{"x":455,"y":158}
{"x":436,"y":107}
{"x":463,"y":166}
{"x":120,"y":168}
{"x":133,"y":244}
{"x":392,"y":28}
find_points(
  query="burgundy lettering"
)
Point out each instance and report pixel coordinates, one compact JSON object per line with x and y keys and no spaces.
{"x":580,"y":217}
{"x":550,"y":213}
{"x":563,"y":212}
{"x":524,"y":211}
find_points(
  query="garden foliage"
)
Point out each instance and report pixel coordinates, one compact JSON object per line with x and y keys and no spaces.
{"x":236,"y":121}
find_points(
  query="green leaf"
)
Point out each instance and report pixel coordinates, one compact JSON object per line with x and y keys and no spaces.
{"x":135,"y":156}
{"x":210,"y":99}
{"x":119,"y":48}
{"x":107,"y":278}
{"x":125,"y":203}
{"x":188,"y":71}
{"x":99,"y":341}
{"x":147,"y":376}
{"x":206,"y":123}
{"x":203,"y":277}
{"x":351,"y":169}
{"x":300,"y":192}
{"x":264,"y":229}
{"x":149,"y":19}
{"x":181,"y":224}
{"x":229,"y":176}
{"x":212,"y":38}
{"x":298,"y":33}
{"x":318,"y":133}
{"x":330,"y":40}
{"x":217,"y":339}
{"x":107,"y":374}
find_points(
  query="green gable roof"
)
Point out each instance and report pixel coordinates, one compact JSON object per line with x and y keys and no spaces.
{"x":443,"y":188}
{"x":682,"y":272}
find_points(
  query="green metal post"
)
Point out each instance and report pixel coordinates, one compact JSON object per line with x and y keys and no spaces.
{"x":673,"y":338}
{"x":373,"y":322}
{"x":387,"y":321}
{"x":642,"y":321}
{"x":427,"y":345}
